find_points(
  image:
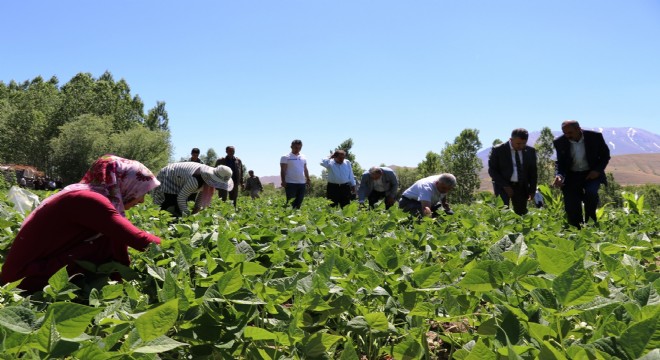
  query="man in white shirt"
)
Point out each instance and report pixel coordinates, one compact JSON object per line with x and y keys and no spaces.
{"x":582,"y":156}
{"x":427,"y":195}
{"x":294,"y":174}
{"x":341,"y":181}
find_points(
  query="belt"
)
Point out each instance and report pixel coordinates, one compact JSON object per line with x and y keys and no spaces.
{"x":344,"y":184}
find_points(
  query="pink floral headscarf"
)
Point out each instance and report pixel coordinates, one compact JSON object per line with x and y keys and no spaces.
{"x":120,"y":180}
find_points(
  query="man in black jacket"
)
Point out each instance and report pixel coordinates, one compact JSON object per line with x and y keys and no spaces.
{"x":512,"y":167}
{"x":582,"y":157}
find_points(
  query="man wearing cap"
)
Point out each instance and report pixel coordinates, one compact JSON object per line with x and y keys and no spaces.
{"x":582,"y":157}
{"x":341,"y":181}
{"x":236,"y":166}
{"x":427,"y":195}
{"x":180,"y":180}
{"x":512,"y":167}
{"x":294,"y":174}
{"x":378,"y":183}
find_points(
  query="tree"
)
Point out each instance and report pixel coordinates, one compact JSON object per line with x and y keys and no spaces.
{"x":151,"y":148}
{"x":210,"y":157}
{"x":79,"y":144}
{"x":346,"y":146}
{"x":157,"y":117}
{"x":497,"y":142}
{"x":544,"y":151}
{"x":460,"y":159}
{"x":430,"y":166}
{"x":407,"y":177}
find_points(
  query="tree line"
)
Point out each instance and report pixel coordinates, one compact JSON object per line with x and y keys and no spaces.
{"x":63,"y":129}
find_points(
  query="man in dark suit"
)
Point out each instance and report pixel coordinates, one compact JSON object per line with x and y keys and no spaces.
{"x":582,"y":156}
{"x":512,"y":167}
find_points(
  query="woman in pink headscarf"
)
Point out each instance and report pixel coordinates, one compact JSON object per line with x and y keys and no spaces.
{"x":83,"y":222}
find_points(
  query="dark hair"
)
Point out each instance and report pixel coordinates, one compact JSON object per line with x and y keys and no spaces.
{"x":229,"y":147}
{"x":296,"y":142}
{"x":339,"y":152}
{"x":195,"y":151}
{"x":520,"y":133}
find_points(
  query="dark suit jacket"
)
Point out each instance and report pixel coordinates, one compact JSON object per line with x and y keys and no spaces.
{"x":237,"y":175}
{"x":389,"y":179}
{"x":598,"y":153}
{"x":500,"y":166}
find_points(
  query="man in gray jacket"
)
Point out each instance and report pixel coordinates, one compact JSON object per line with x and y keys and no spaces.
{"x":377,"y":183}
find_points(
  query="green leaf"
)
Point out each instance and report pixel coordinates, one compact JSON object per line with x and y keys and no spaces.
{"x":574,"y":286}
{"x":554,"y":261}
{"x":485,"y":276}
{"x":59,"y":280}
{"x":374,"y":323}
{"x":230,"y":282}
{"x":428,"y":276}
{"x":17,"y":318}
{"x":388,"y":258}
{"x":481,"y":352}
{"x":641,"y":337}
{"x":157,"y":321}
{"x":407,"y":349}
{"x":540,"y":332}
{"x":349,"y":352}
{"x":71,"y":320}
{"x":424,"y":309}
{"x":250,"y":268}
{"x":157,"y":345}
{"x":256,"y":333}
{"x":315,"y":346}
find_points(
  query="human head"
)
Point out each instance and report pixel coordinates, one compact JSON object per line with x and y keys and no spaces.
{"x":218,"y":177}
{"x":445,"y":183}
{"x":296,"y":146}
{"x":375,"y":172}
{"x":519,"y":138}
{"x":230,"y":150}
{"x":194,"y":153}
{"x":339,"y":156}
{"x":251,"y":173}
{"x":571,"y":130}
{"x":123,"y":181}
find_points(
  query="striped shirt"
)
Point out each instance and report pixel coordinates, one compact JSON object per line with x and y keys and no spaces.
{"x":177,"y":179}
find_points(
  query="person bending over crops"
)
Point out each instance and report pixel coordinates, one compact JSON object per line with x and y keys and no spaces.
{"x":83,"y":222}
{"x":427,"y":195}
{"x":180,"y":180}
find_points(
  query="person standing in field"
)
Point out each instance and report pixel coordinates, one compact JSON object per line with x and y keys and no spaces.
{"x":378,"y":183}
{"x":236,"y":166}
{"x":294,"y":174}
{"x":582,"y":156}
{"x":427,"y":195}
{"x":512,"y":167}
{"x":341,"y":181}
{"x":253,"y":185}
{"x":194,"y":156}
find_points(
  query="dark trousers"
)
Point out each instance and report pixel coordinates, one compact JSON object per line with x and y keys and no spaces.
{"x":339,"y":194}
{"x":172,"y":205}
{"x":233,"y":194}
{"x":295,"y":192}
{"x":519,"y":198}
{"x":377,"y":195}
{"x":414,"y":207}
{"x":578,"y":190}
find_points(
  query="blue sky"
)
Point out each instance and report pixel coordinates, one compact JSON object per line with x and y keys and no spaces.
{"x":400,"y":78}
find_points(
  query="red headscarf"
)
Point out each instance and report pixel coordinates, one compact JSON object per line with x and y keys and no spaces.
{"x":120,"y":180}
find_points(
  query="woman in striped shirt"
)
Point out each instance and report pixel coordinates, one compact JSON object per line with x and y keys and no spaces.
{"x":180,"y":180}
